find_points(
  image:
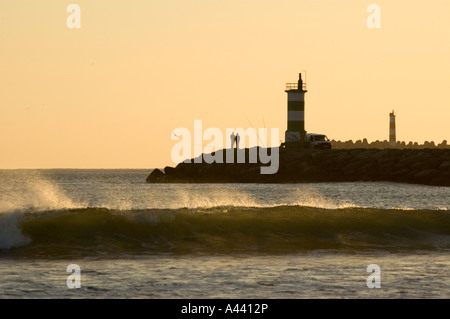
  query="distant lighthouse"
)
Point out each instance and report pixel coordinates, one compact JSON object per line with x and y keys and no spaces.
{"x":392,"y":138}
{"x":295,"y":134}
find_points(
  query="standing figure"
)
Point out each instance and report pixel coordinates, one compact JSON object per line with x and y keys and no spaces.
{"x":233,"y":139}
{"x":237,"y":140}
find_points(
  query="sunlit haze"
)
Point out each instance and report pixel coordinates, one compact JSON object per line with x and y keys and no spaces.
{"x":109,"y":94}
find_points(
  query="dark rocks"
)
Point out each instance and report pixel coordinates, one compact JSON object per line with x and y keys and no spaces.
{"x":445,"y":166}
{"x":425,"y":166}
{"x":170,"y":171}
{"x":426,"y":176}
{"x":155,"y":176}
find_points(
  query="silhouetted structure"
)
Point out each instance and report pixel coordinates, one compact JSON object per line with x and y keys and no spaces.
{"x":385,"y":144}
{"x":297,"y":165}
{"x":295,"y":134}
{"x":392,"y":137}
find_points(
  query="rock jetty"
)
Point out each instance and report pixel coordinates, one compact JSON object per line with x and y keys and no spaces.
{"x":424,"y":166}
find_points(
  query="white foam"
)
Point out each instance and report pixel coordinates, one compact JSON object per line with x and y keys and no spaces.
{"x":10,"y":232}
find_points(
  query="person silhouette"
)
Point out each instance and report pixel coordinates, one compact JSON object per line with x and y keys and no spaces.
{"x":237,"y":140}
{"x":233,"y":139}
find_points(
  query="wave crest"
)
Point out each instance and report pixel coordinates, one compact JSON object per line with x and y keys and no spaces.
{"x":280,"y":229}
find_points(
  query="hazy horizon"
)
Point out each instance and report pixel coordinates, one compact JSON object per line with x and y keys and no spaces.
{"x":109,"y":94}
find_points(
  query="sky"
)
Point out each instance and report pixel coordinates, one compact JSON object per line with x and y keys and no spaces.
{"x":110,"y":93}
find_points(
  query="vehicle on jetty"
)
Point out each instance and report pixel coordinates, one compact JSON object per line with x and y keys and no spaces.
{"x":320,"y":141}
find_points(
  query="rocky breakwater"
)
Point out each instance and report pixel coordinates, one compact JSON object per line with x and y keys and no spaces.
{"x":426,"y":166}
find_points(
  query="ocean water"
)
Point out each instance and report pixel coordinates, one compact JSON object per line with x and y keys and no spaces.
{"x":131,"y":239}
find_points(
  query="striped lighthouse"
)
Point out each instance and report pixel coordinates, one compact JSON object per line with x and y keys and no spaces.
{"x":392,"y":138}
{"x":295,"y":134}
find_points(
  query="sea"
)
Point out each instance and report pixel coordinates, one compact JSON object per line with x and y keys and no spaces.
{"x":101,"y":233}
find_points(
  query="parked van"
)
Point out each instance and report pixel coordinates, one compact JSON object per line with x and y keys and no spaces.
{"x":317,"y":141}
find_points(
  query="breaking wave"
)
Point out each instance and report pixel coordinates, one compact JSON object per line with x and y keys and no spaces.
{"x":85,"y":232}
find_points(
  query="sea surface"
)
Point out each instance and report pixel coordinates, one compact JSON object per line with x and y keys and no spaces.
{"x":130,"y":239}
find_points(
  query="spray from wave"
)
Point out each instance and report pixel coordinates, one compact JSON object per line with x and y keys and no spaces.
{"x":218,"y":197}
{"x":201,"y":196}
{"x":24,"y":192}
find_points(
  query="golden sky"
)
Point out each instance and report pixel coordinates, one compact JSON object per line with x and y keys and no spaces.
{"x":109,"y":94}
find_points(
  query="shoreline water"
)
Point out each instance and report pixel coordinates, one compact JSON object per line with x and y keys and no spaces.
{"x":133,"y":239}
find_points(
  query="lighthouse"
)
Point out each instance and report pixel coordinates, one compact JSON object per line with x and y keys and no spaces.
{"x":295,"y":134}
{"x":392,"y":138}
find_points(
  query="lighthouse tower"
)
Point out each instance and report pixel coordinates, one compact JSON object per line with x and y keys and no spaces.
{"x":392,"y":138}
{"x":295,"y":134}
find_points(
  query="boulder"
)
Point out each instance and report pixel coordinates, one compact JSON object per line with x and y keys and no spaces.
{"x":445,"y":166}
{"x":155,"y":176}
{"x":426,"y":175}
{"x":170,"y":171}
